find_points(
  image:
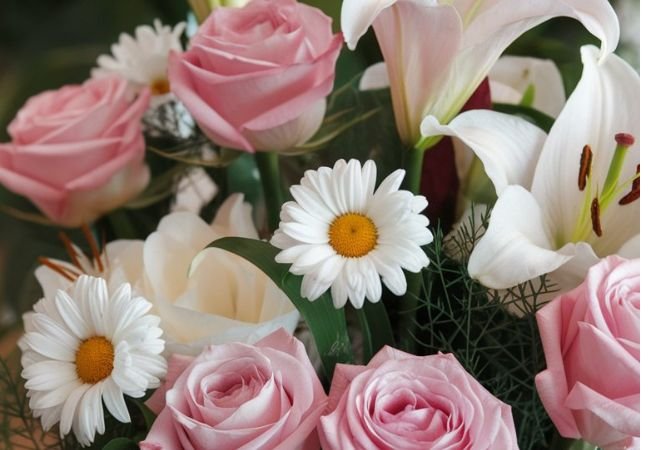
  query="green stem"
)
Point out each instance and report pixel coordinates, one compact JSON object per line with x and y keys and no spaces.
{"x":269,"y":166}
{"x":409,"y":302}
{"x":413,"y":166}
{"x":408,"y":305}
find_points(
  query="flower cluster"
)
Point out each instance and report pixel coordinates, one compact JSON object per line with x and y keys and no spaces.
{"x":300,"y":316}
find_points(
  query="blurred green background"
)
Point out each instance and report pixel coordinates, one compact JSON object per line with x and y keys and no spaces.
{"x":45,"y":44}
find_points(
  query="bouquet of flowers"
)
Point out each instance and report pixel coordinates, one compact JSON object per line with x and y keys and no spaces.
{"x":260,"y":249}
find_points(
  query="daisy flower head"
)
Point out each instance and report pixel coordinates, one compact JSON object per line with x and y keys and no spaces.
{"x":143,"y":59}
{"x":87,"y":345}
{"x":342,"y":233}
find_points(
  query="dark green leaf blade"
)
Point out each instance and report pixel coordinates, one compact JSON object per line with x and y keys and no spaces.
{"x":376,"y":328}
{"x":327,"y":324}
{"x":121,"y":443}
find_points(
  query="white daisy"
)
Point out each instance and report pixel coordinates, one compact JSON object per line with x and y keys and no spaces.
{"x":143,"y":60}
{"x":82,"y":347}
{"x":341,"y":233}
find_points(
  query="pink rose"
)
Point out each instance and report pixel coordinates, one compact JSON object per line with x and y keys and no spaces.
{"x":256,"y":77}
{"x":591,"y":343}
{"x":401,"y":401}
{"x":77,"y":152}
{"x":239,"y":396}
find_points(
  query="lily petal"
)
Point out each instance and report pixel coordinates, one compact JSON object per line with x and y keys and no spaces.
{"x":507,"y":145}
{"x":605,"y":102}
{"x":493,"y":25}
{"x":516,"y":246}
{"x":358,"y":15}
{"x":512,"y":76}
{"x":374,"y":77}
{"x":419,"y":41}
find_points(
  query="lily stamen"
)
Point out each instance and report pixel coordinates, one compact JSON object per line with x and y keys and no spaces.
{"x":70,"y":250}
{"x":585,"y":167}
{"x":623,"y":142}
{"x":61,"y":270}
{"x":635,"y":192}
{"x":96,"y":255}
{"x":595,"y":217}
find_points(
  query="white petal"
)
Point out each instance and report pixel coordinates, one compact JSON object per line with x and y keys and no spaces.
{"x":374,"y":77}
{"x":303,"y":233}
{"x":54,"y":397}
{"x":391,"y":183}
{"x":508,"y":19}
{"x":48,"y":375}
{"x":71,"y":315}
{"x":516,"y":246}
{"x":49,"y":348}
{"x":339,"y":293}
{"x":311,"y":201}
{"x":508,"y":146}
{"x":518,"y":73}
{"x":495,"y":25}
{"x":605,"y":102}
{"x":313,"y":256}
{"x":69,"y":410}
{"x":632,"y":248}
{"x":358,"y":15}
{"x":419,"y":41}
{"x":392,"y":275}
{"x":114,"y":401}
{"x":235,"y":218}
{"x":87,"y":416}
{"x":99,"y":298}
{"x":54,"y":331}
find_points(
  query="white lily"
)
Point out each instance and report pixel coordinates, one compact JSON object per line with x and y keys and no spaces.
{"x":437,"y":52}
{"x":556,"y":211}
{"x":532,"y":82}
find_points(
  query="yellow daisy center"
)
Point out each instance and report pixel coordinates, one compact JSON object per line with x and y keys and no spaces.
{"x":159,"y":86}
{"x":353,"y":235}
{"x":94,"y":359}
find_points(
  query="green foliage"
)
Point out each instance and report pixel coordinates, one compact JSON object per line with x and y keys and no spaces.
{"x":376,"y":328}
{"x":121,"y":444}
{"x":492,"y":333}
{"x":18,"y":429}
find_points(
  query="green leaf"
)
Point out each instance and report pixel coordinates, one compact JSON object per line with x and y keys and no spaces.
{"x":147,"y":414}
{"x":121,"y":443}
{"x":528,"y":98}
{"x":533,"y":116}
{"x":376,"y":328}
{"x":327,"y":324}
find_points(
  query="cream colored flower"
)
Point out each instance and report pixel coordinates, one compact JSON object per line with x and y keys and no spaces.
{"x":225,"y":298}
{"x":87,"y":345}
